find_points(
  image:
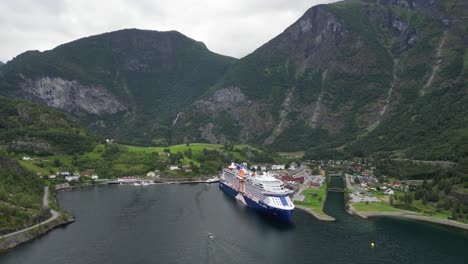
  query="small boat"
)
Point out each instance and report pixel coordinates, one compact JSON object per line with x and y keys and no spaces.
{"x":137,"y":184}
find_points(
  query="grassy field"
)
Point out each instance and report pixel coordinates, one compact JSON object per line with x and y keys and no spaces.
{"x":195,"y":148}
{"x":416,"y":207}
{"x":314,"y":198}
{"x":375,"y":207}
{"x":115,"y":160}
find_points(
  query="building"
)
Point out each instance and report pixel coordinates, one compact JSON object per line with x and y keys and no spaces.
{"x":88,"y":172}
{"x":174,"y":167}
{"x":278,"y":167}
{"x":94,"y":177}
{"x":26,"y":158}
{"x":151,"y":174}
{"x":127,"y":179}
{"x":287,"y":178}
{"x":72,"y":178}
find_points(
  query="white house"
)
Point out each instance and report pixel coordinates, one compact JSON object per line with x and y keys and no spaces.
{"x":26,"y":158}
{"x":174,"y":167}
{"x":389,"y":192}
{"x":94,"y":177}
{"x":72,"y":178}
{"x":277,"y":167}
{"x":151,"y":174}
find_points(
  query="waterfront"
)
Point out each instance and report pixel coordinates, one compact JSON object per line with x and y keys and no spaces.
{"x":171,"y":223}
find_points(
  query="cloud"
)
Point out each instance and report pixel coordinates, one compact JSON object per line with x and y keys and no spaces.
{"x":229,"y":27}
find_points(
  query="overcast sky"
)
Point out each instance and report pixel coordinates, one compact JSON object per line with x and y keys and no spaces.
{"x":229,"y":27}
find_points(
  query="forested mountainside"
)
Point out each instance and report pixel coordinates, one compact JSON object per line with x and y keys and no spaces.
{"x":129,"y":84}
{"x":26,"y":127}
{"x":363,"y":76}
{"x":360,"y":76}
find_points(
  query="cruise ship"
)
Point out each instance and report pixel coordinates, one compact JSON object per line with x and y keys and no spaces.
{"x":261,"y":192}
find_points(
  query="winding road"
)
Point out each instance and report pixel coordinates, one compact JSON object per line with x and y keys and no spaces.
{"x":45,"y":203}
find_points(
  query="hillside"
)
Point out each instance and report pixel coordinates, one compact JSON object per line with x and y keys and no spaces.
{"x":359,"y":76}
{"x":366,"y":76}
{"x":20,"y":197}
{"x":129,"y":84}
{"x":30,"y":128}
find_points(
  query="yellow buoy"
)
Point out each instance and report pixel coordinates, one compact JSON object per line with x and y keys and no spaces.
{"x":372,"y":244}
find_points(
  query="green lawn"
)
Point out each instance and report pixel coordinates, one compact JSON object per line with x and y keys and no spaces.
{"x":375,"y":207}
{"x":314,"y":198}
{"x":33,"y":167}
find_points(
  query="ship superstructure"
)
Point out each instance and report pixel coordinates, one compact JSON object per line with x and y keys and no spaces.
{"x":259,"y":191}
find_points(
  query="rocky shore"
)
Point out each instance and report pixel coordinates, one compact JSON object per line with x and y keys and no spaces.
{"x":11,"y":241}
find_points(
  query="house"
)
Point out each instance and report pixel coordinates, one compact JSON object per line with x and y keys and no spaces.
{"x":174,"y":167}
{"x":396,"y":184}
{"x":292,"y":166}
{"x":277,"y":167}
{"x":64,"y":173}
{"x":52,"y":176}
{"x":72,"y":178}
{"x":389,"y":192}
{"x":94,"y":177}
{"x":88,"y":172}
{"x":259,"y":167}
{"x":151,"y":174}
{"x":27,"y":158}
{"x":287,"y":178}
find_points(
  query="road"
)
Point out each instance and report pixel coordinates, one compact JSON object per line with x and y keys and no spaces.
{"x":45,"y":203}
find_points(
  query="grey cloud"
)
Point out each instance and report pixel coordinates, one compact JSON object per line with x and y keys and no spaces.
{"x":229,"y":27}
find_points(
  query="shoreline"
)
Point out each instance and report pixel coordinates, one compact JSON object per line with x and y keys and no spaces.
{"x":10,"y":243}
{"x":408,"y":215}
{"x":12,"y":240}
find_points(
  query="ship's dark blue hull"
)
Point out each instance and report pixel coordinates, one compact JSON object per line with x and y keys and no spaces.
{"x":283,"y":215}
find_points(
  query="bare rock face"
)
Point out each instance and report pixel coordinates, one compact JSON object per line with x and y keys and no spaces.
{"x":222,"y":99}
{"x":71,"y":96}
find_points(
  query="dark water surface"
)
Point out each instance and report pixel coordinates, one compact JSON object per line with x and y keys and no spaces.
{"x":170,"y":224}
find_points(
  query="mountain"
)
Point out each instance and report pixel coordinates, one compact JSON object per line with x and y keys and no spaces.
{"x":1,"y":63}
{"x":364,"y":76}
{"x":358,"y":76}
{"x":129,"y":84}
{"x":30,"y":128}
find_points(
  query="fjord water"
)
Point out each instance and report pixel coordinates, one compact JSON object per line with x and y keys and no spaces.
{"x":171,"y":223}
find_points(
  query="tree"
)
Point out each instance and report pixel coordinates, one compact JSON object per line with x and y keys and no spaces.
{"x":391,"y":200}
{"x":56,"y":163}
{"x":408,"y":198}
{"x":357,"y":180}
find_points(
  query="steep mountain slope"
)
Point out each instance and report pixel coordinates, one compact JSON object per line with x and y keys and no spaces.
{"x":362,"y":76}
{"x":32,"y":128}
{"x":128,"y":84}
{"x":347,"y":71}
